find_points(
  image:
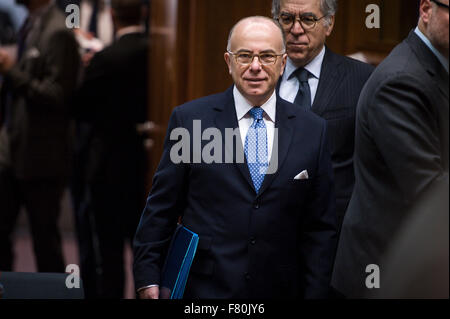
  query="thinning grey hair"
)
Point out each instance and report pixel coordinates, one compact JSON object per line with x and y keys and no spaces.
{"x":327,"y":7}
{"x":258,"y":18}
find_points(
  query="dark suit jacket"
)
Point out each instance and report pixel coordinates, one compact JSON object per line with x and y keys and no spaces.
{"x":341,"y":81}
{"x":7,"y":27}
{"x":401,"y":149}
{"x":41,"y":84}
{"x":278,"y":243}
{"x":113,"y":99}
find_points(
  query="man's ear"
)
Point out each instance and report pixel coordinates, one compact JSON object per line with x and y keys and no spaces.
{"x":330,"y":26}
{"x":228,"y":61}
{"x":283,"y":63}
{"x":425,"y":11}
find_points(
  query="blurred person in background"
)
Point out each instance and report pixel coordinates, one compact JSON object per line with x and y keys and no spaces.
{"x":35,"y":131}
{"x":113,"y":100}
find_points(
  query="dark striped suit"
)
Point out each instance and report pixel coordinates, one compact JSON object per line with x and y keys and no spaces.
{"x":341,"y":81}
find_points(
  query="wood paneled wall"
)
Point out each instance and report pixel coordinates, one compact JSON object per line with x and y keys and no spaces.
{"x":351,"y":35}
{"x":188,"y":40}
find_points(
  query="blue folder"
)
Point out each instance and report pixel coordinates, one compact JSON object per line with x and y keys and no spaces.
{"x":178,"y":263}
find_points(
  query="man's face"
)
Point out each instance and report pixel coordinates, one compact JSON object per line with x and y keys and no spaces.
{"x":304,"y":45}
{"x":256,"y":81}
{"x":438,"y":28}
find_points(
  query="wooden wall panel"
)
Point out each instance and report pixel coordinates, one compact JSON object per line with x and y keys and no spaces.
{"x":211,"y":21}
{"x":351,"y":35}
{"x":163,"y":76}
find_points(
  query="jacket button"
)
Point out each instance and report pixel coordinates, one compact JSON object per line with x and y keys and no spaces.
{"x":253,"y":241}
{"x":247,"y":276}
{"x":256,"y":205}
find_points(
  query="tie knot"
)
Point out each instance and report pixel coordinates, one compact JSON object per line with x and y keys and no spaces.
{"x":302,"y":75}
{"x":257,"y":113}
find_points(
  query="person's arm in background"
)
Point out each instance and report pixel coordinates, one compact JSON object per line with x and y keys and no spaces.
{"x":89,"y":101}
{"x":60,"y":73}
{"x":403,"y":122}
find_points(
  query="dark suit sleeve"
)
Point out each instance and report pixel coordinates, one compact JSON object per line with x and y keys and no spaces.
{"x":60,"y":70}
{"x":318,"y":243}
{"x":159,"y":219}
{"x":404,"y":128}
{"x":89,"y":103}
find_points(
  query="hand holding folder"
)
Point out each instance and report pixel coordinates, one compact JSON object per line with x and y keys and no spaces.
{"x":178,"y":263}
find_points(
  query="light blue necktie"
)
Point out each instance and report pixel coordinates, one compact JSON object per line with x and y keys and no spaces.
{"x":256,"y":148}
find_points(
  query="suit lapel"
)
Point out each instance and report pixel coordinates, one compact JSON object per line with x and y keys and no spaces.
{"x":281,"y":143}
{"x":226,"y":118}
{"x":330,"y":78}
{"x":442,"y":81}
{"x":430,"y":62}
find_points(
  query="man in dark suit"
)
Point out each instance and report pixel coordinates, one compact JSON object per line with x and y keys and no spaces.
{"x":401,"y":147}
{"x":264,"y":232}
{"x":321,"y":81}
{"x":113,"y":100}
{"x":35,"y":133}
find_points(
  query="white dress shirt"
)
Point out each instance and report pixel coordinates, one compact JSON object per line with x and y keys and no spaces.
{"x":289,"y":87}
{"x":245,"y":119}
{"x":105,"y":28}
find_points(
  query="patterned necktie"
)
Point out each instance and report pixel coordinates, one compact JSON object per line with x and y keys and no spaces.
{"x":255,"y":148}
{"x":303,"y":97}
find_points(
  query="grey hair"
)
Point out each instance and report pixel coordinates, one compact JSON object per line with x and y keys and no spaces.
{"x":327,"y":7}
{"x":258,"y":18}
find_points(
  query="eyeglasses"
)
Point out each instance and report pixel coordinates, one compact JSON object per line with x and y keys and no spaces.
{"x":308,"y":21}
{"x":246,"y":58}
{"x":440,"y":4}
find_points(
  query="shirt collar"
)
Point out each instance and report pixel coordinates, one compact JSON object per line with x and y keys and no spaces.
{"x":314,"y":67}
{"x":428,"y":43}
{"x":243,"y":107}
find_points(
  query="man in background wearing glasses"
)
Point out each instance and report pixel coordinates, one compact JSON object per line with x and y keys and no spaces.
{"x":319,"y":80}
{"x":401,"y":162}
{"x":262,"y":234}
